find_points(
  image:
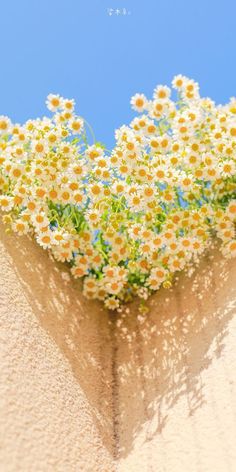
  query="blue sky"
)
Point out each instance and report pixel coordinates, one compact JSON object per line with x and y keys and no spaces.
{"x":76,"y":49}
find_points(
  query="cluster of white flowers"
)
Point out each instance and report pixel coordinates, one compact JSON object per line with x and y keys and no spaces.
{"x":125,"y":221}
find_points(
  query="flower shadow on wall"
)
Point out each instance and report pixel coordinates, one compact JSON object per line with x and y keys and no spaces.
{"x":145,"y":363}
{"x":78,"y":327}
{"x":161,"y":356}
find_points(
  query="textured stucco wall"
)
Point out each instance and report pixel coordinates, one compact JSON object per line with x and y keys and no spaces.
{"x":82,"y":390}
{"x":176,"y":383}
{"x":55,"y":368}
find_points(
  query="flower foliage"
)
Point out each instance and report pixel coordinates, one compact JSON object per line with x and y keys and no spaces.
{"x":127,"y":220}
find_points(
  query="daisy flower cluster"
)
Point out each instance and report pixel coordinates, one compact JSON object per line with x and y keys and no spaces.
{"x":125,"y":221}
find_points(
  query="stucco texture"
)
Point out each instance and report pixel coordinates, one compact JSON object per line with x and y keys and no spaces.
{"x":83,"y":390}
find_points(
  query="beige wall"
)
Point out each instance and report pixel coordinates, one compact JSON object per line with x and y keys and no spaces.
{"x":80,"y":388}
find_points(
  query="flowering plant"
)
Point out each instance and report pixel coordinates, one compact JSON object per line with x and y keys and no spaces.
{"x":127,"y":220}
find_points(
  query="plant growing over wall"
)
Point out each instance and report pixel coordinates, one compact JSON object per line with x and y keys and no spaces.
{"x":128,"y":220}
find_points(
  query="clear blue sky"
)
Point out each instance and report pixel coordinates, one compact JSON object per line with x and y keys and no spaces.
{"x":74,"y":48}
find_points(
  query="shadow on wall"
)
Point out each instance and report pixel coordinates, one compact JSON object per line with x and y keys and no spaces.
{"x":161,"y":356}
{"x":145,"y":362}
{"x":80,"y":328}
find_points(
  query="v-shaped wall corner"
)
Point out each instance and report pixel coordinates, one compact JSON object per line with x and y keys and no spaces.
{"x":84,"y":391}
